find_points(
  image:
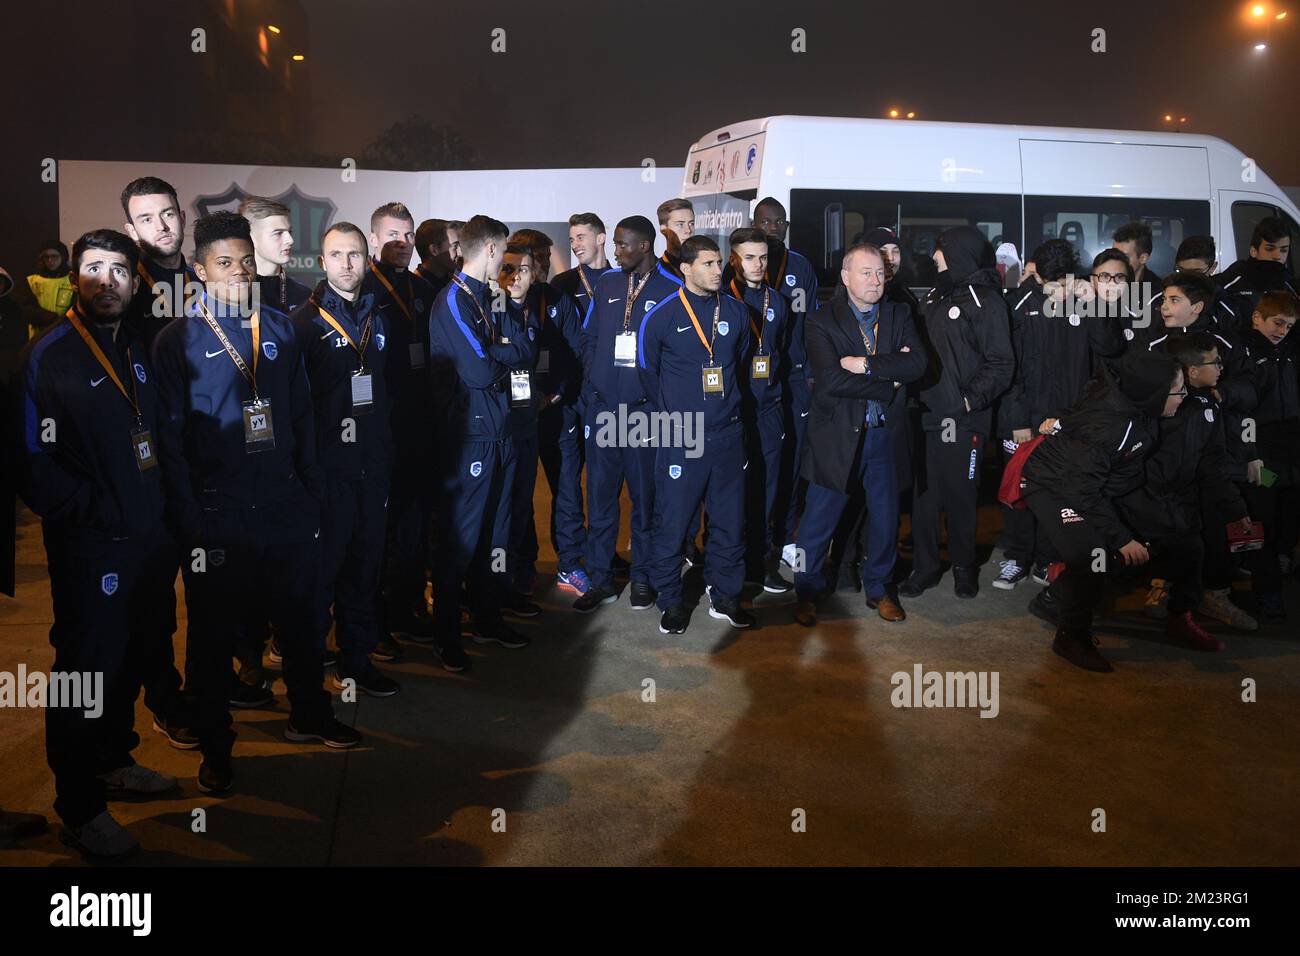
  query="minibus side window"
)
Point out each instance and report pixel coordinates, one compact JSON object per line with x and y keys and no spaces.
{"x":1245,"y":217}
{"x":1089,"y":222}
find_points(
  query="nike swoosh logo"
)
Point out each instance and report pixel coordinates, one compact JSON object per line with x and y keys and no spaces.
{"x":613,"y":300}
{"x":96,"y":382}
{"x":328,"y":334}
{"x":682,"y":328}
{"x":214,"y":354}
{"x":803,"y":414}
{"x":573,"y":429}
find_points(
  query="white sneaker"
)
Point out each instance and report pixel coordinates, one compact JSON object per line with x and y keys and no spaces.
{"x":1157,"y":601}
{"x":1010,"y":575}
{"x":1217,"y":606}
{"x":789,"y":555}
{"x":102,"y":837}
{"x":135,"y":778}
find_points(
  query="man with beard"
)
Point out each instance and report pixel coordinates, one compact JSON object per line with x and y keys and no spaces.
{"x":972,"y":362}
{"x":238,"y":455}
{"x":268,"y":221}
{"x":155,"y":220}
{"x":343,"y":346}
{"x":88,"y":467}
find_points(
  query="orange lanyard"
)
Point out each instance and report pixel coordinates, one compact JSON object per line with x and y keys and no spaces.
{"x":487,"y":323}
{"x":133,"y":396}
{"x":144,"y":274}
{"x":379,"y":274}
{"x":365,"y":332}
{"x":255,"y":322}
{"x":757,"y":327}
{"x":582,"y":276}
{"x":633,"y":295}
{"x":780,"y":273}
{"x":717,"y":310}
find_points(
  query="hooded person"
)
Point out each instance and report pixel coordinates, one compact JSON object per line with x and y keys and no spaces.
{"x":966,"y":329}
{"x":896,"y":290}
{"x":1094,"y":454}
{"x":51,"y":286}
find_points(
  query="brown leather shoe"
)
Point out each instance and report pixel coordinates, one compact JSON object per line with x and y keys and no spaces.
{"x":888,"y":608}
{"x":806,"y":614}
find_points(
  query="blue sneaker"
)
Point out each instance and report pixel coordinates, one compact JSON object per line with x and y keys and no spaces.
{"x":575,"y":580}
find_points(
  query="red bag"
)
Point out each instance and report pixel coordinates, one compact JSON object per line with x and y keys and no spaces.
{"x":1009,"y":492}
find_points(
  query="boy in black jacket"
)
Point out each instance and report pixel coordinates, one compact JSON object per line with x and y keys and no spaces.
{"x":1071,"y":480}
{"x":969,"y":342}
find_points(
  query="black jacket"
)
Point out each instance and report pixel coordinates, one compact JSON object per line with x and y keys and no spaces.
{"x":1243,"y":282}
{"x":1277,"y":413}
{"x":349,"y":443}
{"x":1097,"y":453}
{"x":1190,"y":465}
{"x":1057,"y":354}
{"x":839,"y":398}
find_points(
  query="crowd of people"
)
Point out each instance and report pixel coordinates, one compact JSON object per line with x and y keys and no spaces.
{"x":318,"y":459}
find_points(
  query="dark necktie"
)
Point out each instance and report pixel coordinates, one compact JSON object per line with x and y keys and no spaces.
{"x":875,"y":411}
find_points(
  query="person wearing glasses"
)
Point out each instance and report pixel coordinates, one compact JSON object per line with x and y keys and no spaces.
{"x":1059,"y":338}
{"x":1071,"y":480}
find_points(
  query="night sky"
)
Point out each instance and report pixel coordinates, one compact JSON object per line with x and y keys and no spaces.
{"x":619,"y":83}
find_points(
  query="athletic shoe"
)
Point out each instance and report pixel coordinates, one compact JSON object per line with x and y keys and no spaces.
{"x":773,"y":583}
{"x":216,"y":776}
{"x":499,"y":633}
{"x":182,"y":738}
{"x":789,"y":554}
{"x":453,"y":657}
{"x":273,"y":652}
{"x":729,"y":610}
{"x":594,"y":597}
{"x":134,"y":778}
{"x":102,"y":838}
{"x":331,"y":732}
{"x":965,"y":582}
{"x":575,"y":581}
{"x":619,"y":565}
{"x":244,"y":696}
{"x":641,"y":596}
{"x":1156,"y":604}
{"x":1218,"y":606}
{"x":329,"y":658}
{"x":674,"y":620}
{"x":369,"y":680}
{"x":417,"y":628}
{"x":1039,"y":573}
{"x":1011,"y":574}
{"x":387,"y":649}
{"x":1181,"y":627}
{"x":518,"y":605}
{"x":1080,"y":649}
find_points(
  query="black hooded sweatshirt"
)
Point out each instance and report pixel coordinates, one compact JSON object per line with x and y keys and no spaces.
{"x":1097,"y":452}
{"x":967,"y":333}
{"x":1243,"y":282}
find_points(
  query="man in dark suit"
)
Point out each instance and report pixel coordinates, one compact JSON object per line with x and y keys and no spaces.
{"x":861,"y":351}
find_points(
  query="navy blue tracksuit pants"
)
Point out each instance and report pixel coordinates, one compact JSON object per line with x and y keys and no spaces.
{"x":523,"y":545}
{"x":796,"y":404}
{"x":352,"y":557}
{"x":112,"y":611}
{"x":474,"y":535}
{"x":560,"y":449}
{"x":715,"y":480}
{"x":765,"y":436}
{"x":824,"y":506}
{"x":271,"y":553}
{"x":608,"y":468}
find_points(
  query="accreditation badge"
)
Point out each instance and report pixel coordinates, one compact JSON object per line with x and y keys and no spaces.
{"x":259,"y":432}
{"x":363,"y":395}
{"x":521,"y":389}
{"x":142,"y":444}
{"x":712,"y":381}
{"x":761,"y":367}
{"x":625,"y":350}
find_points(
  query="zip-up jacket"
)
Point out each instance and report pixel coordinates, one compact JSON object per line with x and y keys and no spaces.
{"x":794,"y":277}
{"x":603,"y":381}
{"x":767,"y":330}
{"x":571,"y":284}
{"x":1243,"y":282}
{"x":1277,"y":413}
{"x":414,"y":401}
{"x":559,"y":343}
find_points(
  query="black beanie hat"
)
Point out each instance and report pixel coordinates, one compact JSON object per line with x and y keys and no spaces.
{"x":1146,"y":379}
{"x":881,"y":237}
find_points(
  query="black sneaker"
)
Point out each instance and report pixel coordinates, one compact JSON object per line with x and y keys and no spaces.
{"x":215,"y":776}
{"x":916,"y":585}
{"x":499,"y":633}
{"x":182,"y":738}
{"x":332,"y":733}
{"x":1010,"y":573}
{"x":594,"y":598}
{"x":387,"y":649}
{"x":1046,"y":607}
{"x":417,"y":628}
{"x":641,"y":596}
{"x":965,"y":582}
{"x":518,"y":605}
{"x":245,"y":696}
{"x":1080,"y":649}
{"x":773,"y":583}
{"x":729,"y":610}
{"x":674,"y":620}
{"x":453,"y":657}
{"x":329,"y":658}
{"x":1039,"y":573}
{"x":369,"y":680}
